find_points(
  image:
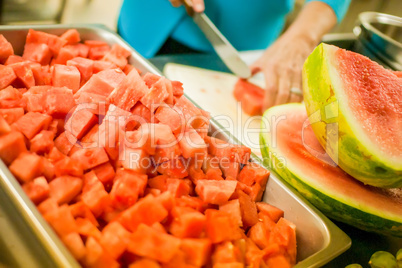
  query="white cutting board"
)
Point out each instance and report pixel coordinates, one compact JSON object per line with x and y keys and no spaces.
{"x":213,"y":92}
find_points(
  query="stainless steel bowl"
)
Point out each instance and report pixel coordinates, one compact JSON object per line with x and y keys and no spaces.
{"x":381,"y":36}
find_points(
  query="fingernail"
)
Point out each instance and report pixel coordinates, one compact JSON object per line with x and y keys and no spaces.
{"x":198,"y":8}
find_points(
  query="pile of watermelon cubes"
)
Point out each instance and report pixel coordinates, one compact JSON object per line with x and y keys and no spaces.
{"x":121,"y":166}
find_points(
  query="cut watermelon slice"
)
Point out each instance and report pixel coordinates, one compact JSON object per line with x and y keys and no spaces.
{"x":329,"y":188}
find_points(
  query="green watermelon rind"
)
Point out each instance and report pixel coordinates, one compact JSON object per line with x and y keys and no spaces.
{"x":355,"y":155}
{"x":327,"y":202}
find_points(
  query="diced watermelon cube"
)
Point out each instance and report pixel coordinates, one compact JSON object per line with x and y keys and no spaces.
{"x":68,"y":166}
{"x":6,"y":49}
{"x":86,"y":228}
{"x":105,"y":173}
{"x":147,"y":242}
{"x":168,"y":116}
{"x":26,"y":167}
{"x":155,"y":95}
{"x":197,"y":251}
{"x":37,"y":52}
{"x":174,"y":168}
{"x":158,"y":182}
{"x":191,"y":113}
{"x":64,"y":189}
{"x":11,"y":146}
{"x":90,"y":157}
{"x":188,"y":225}
{"x":94,"y":195}
{"x":72,"y":36}
{"x":37,"y":190}
{"x":114,"y":239}
{"x":248,"y":209}
{"x":166,"y":151}
{"x":48,"y":205}
{"x":128,"y":92}
{"x":53,"y":41}
{"x":32,"y":123}
{"x":102,"y":83}
{"x":273,"y":212}
{"x":65,"y":54}
{"x":229,"y":169}
{"x":11,"y":115}
{"x":100,"y":65}
{"x":117,"y":55}
{"x":84,"y":66}
{"x":48,"y":169}
{"x":80,"y":121}
{"x":42,"y":142}
{"x":177,"y":89}
{"x":4,"y":126}
{"x":215,"y":192}
{"x":178,"y":187}
{"x":221,"y":227}
{"x":65,"y":142}
{"x":127,"y":187}
{"x":24,"y":73}
{"x":42,"y":75}
{"x":66,"y":76}
{"x":96,"y":256}
{"x":61,"y":220}
{"x":232,"y":207}
{"x":80,"y":210}
{"x":13,"y":59}
{"x":75,"y":245}
{"x":142,"y":113}
{"x":134,"y":159}
{"x":145,"y":211}
{"x":7,"y":76}
{"x":192,"y":145}
{"x":284,"y":234}
{"x":150,"y":79}
{"x":97,"y":49}
{"x":222,"y":149}
{"x":254,"y":173}
{"x":79,"y":49}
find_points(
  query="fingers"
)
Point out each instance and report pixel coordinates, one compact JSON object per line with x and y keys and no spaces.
{"x":176,"y":3}
{"x":296,"y":91}
{"x":271,"y":85}
{"x":198,"y":5}
{"x":283,"y":89}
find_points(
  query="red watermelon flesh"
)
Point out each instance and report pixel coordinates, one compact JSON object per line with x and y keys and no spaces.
{"x":84,"y":66}
{"x":72,"y":36}
{"x":102,"y":83}
{"x":156,"y":95}
{"x":24,"y":73}
{"x":37,"y":52}
{"x":364,"y":206}
{"x":381,"y":123}
{"x":53,"y":41}
{"x":32,"y":123}
{"x":7,"y":76}
{"x":250,"y":96}
{"x":66,"y":76}
{"x":129,"y":91}
{"x":13,"y":59}
{"x":6,"y":49}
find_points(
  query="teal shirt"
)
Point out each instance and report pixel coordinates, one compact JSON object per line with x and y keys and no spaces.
{"x":248,"y":25}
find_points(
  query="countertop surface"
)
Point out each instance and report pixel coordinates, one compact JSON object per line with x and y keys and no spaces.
{"x":364,"y":244}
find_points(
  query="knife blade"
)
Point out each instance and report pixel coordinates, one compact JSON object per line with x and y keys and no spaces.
{"x":227,"y":53}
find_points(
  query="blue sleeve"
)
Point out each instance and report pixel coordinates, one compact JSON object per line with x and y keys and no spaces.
{"x":338,"y":6}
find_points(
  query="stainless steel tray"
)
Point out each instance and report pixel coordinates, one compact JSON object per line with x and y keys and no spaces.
{"x":26,"y":240}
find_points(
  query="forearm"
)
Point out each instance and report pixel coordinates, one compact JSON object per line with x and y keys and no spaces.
{"x":315,"y":19}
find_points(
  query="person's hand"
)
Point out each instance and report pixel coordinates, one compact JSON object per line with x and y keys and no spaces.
{"x":282,"y":65}
{"x":283,"y":61}
{"x":198,"y":5}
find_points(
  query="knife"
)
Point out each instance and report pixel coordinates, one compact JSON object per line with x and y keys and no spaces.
{"x":228,"y":54}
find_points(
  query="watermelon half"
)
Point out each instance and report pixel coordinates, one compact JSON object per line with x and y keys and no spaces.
{"x":289,"y":147}
{"x":356,"y":107}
